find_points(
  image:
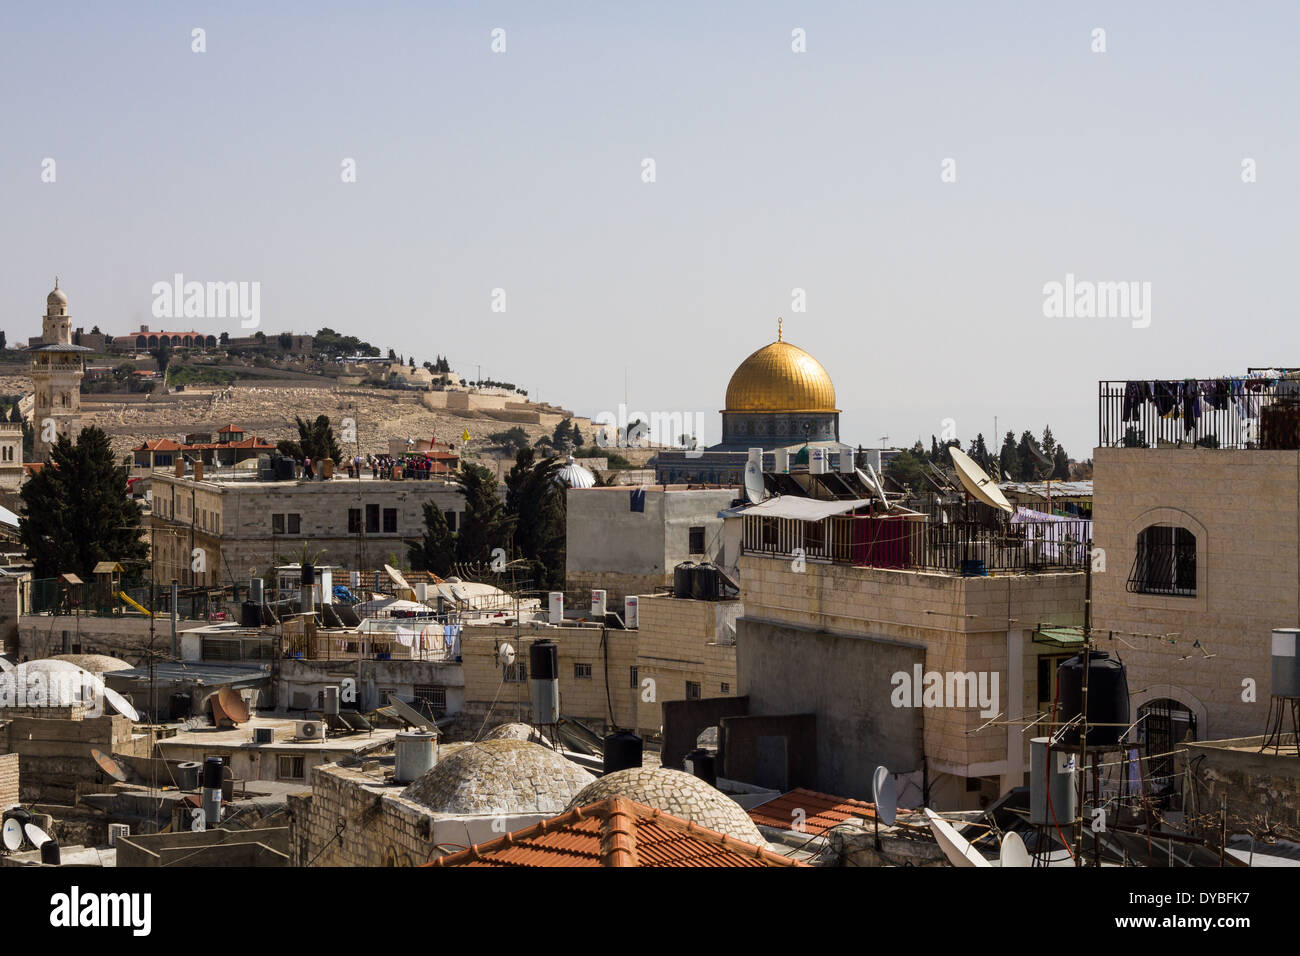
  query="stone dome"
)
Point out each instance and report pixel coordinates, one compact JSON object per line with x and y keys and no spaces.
{"x":95,"y":663}
{"x":780,"y":378}
{"x":499,"y":776}
{"x":514,"y":731}
{"x":677,"y":792}
{"x":56,"y":301}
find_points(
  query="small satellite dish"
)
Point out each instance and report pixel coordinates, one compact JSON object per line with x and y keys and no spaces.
{"x":1007,"y":475}
{"x":121,"y":705}
{"x":979,"y":484}
{"x":1013,"y":852}
{"x":36,"y":835}
{"x":872,"y":485}
{"x":955,"y":846}
{"x":886,"y":796}
{"x":506,"y":654}
{"x":13,"y":834}
{"x":753,"y":483}
{"x":108,"y":765}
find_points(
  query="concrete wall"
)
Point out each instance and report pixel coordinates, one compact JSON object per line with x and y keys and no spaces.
{"x":265,"y":846}
{"x":682,"y":640}
{"x":9,"y":780}
{"x":778,"y":751}
{"x":951,"y":624}
{"x":1242,"y":507}
{"x":632,"y":552}
{"x":1254,"y":785}
{"x":299,"y":677}
{"x":54,"y":750}
{"x":43,"y":635}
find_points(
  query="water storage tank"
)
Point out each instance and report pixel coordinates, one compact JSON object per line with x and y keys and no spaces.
{"x":1050,"y":776}
{"x":623,"y":750}
{"x":1286,"y":665}
{"x":187,"y":775}
{"x":255,"y":590}
{"x":682,"y":579}
{"x":331,"y":700}
{"x":181,"y":706}
{"x":414,"y":755}
{"x":555,"y":607}
{"x":703,"y":765}
{"x":50,"y":853}
{"x":631,"y":611}
{"x":250,"y":614}
{"x":705,"y":583}
{"x":598,"y":603}
{"x":543,"y":678}
{"x":1107,"y":699}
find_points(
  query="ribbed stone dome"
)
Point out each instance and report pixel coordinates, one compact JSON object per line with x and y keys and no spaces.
{"x":575,"y":476}
{"x":674,"y":791}
{"x":499,"y":776}
{"x":780,"y":378}
{"x":95,"y":663}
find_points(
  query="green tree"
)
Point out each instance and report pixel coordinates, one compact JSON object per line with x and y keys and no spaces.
{"x":484,"y":525}
{"x":535,"y":497}
{"x":561,"y":434}
{"x":315,"y":441}
{"x":513,"y":438}
{"x":906,"y":469}
{"x":2,"y":341}
{"x":436,"y":551}
{"x":77,"y":512}
{"x":1061,"y":464}
{"x":1008,"y":462}
{"x":163,"y":355}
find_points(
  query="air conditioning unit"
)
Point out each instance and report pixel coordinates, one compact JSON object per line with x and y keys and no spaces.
{"x":116,"y":830}
{"x":265,"y":735}
{"x":309,"y":730}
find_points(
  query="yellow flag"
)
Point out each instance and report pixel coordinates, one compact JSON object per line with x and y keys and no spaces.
{"x":464,"y":436}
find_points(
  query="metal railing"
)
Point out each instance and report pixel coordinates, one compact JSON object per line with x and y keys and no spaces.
{"x":1213,"y":413}
{"x":960,"y":547}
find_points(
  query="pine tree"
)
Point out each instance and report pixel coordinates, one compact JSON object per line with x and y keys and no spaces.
{"x":315,"y":441}
{"x":535,"y":498}
{"x":1061,"y":464}
{"x":436,"y":551}
{"x":484,"y":526}
{"x":1048,"y":443}
{"x":1008,"y":461}
{"x":77,"y":512}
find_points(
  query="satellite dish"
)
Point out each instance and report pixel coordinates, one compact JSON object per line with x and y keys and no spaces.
{"x":872,"y":485}
{"x":753,"y":483}
{"x":506,"y":654}
{"x":36,"y":835}
{"x":396,"y":577}
{"x":121,"y":705}
{"x":1007,"y":475}
{"x":885,"y":795}
{"x":13,"y":834}
{"x":1013,"y":852}
{"x":108,"y":765}
{"x":955,"y":846}
{"x":979,"y":484}
{"x":234,"y":706}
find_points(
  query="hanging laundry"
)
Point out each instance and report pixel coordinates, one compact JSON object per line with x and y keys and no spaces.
{"x":1165,"y":395}
{"x":1136,"y":395}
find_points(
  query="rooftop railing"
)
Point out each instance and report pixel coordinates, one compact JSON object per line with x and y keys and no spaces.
{"x":961,"y":547}
{"x":1235,"y":412}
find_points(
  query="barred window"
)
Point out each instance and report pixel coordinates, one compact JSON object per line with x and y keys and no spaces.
{"x":692,"y":690}
{"x":1165,"y":562}
{"x":582,"y":671}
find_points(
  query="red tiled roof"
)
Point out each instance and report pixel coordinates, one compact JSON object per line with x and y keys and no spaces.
{"x":230,"y":428}
{"x":820,"y":811}
{"x":158,"y":444}
{"x":616,"y":832}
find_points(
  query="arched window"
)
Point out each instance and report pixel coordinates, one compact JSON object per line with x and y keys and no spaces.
{"x":1165,"y":562}
{"x":1162,"y":726}
{"x":141,"y":342}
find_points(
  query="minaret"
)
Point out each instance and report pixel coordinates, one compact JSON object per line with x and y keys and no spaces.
{"x":56,"y":376}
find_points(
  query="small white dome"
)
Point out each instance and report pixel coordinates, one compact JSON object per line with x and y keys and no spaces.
{"x":575,"y":475}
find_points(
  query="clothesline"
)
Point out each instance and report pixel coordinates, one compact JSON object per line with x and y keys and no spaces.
{"x":1190,"y":399}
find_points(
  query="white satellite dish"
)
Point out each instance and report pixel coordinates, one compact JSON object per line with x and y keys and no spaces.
{"x":13,"y":834}
{"x":880,"y":485}
{"x":955,"y":846}
{"x":396,"y":577}
{"x":121,"y":705}
{"x":36,"y":835}
{"x":753,"y":482}
{"x":506,"y":654}
{"x":1013,"y":852}
{"x":871,"y":485}
{"x":885,"y":795}
{"x":979,"y":484}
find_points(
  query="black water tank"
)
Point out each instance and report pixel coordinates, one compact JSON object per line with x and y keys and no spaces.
{"x":308,"y":575}
{"x":1107,"y":698}
{"x":213,"y":769}
{"x":187,"y":775}
{"x":544,"y":661}
{"x":284,"y":470}
{"x":704,"y":582}
{"x":182,"y":706}
{"x":704,"y":766}
{"x":623,"y":750}
{"x":682,"y":579}
{"x":50,"y":852}
{"x":250,"y":614}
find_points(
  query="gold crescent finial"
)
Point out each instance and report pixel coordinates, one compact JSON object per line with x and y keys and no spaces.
{"x":778,"y":325}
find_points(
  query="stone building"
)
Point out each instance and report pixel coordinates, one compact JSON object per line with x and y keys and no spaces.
{"x":242,"y":523}
{"x":56,"y":370}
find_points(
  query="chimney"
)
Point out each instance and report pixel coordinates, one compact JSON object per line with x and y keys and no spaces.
{"x":180,"y":466}
{"x":198,"y":469}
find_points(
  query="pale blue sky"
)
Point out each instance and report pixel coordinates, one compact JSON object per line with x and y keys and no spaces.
{"x":775,"y":170}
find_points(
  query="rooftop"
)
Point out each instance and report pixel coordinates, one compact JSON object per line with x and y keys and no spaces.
{"x":1257,"y":410}
{"x":282,"y":728}
{"x":810,"y":812}
{"x":615,"y":832}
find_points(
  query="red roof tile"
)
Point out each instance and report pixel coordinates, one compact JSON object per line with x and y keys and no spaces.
{"x":158,"y":444}
{"x":616,"y":832}
{"x":815,"y":813}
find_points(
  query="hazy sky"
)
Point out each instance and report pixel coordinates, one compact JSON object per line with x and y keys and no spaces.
{"x":774,"y":171}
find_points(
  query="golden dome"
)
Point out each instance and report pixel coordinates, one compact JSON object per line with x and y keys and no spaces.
{"x":780,"y":378}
